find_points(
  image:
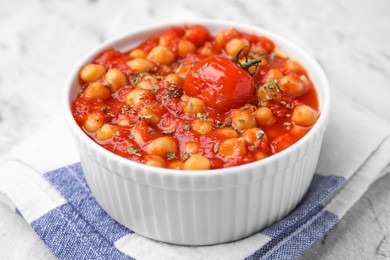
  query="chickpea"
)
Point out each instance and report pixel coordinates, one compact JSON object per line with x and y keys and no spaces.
{"x":97,"y":90}
{"x":232,"y":147}
{"x":191,"y":148}
{"x":185,"y":47}
{"x":226,"y":132}
{"x":116,"y":79}
{"x":175,"y":164}
{"x":106,"y":132}
{"x":291,"y":66}
{"x":138,"y":53}
{"x":268,"y":92}
{"x":235,"y":45}
{"x":140,"y":65}
{"x":260,"y":155}
{"x":135,"y":97}
{"x":304,"y":115}
{"x":272,"y":75}
{"x":147,"y":82}
{"x":243,"y":118}
{"x":208,"y":49}
{"x":264,"y":116}
{"x":162,"y":145}
{"x":124,"y":122}
{"x":197,"y":162}
{"x":151,"y":116}
{"x":232,"y":33}
{"x":161,"y":55}
{"x":256,"y":52}
{"x":193,"y":105}
{"x":92,"y":72}
{"x":298,"y":131}
{"x":202,"y":127}
{"x":94,"y":122}
{"x":155,"y":160}
{"x":252,"y":135}
{"x":293,"y":85}
{"x":174,"y":79}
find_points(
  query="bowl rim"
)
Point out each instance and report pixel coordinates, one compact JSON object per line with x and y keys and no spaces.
{"x":318,"y":126}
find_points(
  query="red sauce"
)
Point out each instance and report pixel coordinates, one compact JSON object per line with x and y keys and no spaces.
{"x":183,"y":90}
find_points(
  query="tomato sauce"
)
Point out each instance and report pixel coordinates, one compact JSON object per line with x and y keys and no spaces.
{"x":188,"y":100}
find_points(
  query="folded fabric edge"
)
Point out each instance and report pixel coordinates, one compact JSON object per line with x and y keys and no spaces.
{"x":375,"y":167}
{"x":334,"y":208}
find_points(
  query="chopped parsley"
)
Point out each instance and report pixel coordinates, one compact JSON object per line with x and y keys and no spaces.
{"x":185,"y":156}
{"x":150,"y":130}
{"x":259,"y":134}
{"x":171,"y":156}
{"x":133,"y":151}
{"x":186,"y":126}
{"x":241,"y":120}
{"x":201,"y":116}
{"x":228,"y":122}
{"x":216,"y":147}
{"x":168,"y":132}
{"x":143,"y":117}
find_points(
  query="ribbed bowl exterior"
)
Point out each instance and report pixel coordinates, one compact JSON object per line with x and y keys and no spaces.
{"x":194,"y":208}
{"x":199,"y":209}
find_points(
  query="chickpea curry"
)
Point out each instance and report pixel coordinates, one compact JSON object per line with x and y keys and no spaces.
{"x":188,"y":100}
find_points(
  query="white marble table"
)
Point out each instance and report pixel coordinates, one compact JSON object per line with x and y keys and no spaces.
{"x":41,"y":40}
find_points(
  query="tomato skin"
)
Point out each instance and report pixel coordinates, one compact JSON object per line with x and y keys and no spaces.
{"x":220,"y":83}
{"x":198,"y":35}
{"x":282,"y":142}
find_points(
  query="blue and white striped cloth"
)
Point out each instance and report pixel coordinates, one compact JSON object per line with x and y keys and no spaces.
{"x":45,"y":185}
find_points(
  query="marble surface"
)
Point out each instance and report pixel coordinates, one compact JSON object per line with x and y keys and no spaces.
{"x":40,"y":41}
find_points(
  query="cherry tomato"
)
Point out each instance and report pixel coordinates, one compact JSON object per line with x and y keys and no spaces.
{"x":198,"y":35}
{"x":220,"y":83}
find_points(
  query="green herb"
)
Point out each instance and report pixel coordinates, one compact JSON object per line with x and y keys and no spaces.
{"x":174,"y":91}
{"x":104,"y":109}
{"x":247,"y":63}
{"x":156,"y":88}
{"x":186,"y":126}
{"x":125,"y":109}
{"x":143,"y":117}
{"x":228,"y":121}
{"x":134,"y":79}
{"x":201,"y":116}
{"x":171,"y":156}
{"x":107,"y":85}
{"x":273,"y":85}
{"x":259,"y":134}
{"x":178,"y":112}
{"x":150,"y":130}
{"x":241,"y":120}
{"x":131,"y":137}
{"x":168,"y":132}
{"x":133,"y":151}
{"x":185,"y":156}
{"x":216,"y":146}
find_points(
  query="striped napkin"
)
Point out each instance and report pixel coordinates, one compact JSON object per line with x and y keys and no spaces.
{"x":43,"y":182}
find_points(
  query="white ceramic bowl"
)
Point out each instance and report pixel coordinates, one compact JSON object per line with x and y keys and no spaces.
{"x":200,"y":207}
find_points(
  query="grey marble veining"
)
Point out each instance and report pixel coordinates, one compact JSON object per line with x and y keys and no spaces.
{"x":40,"y":41}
